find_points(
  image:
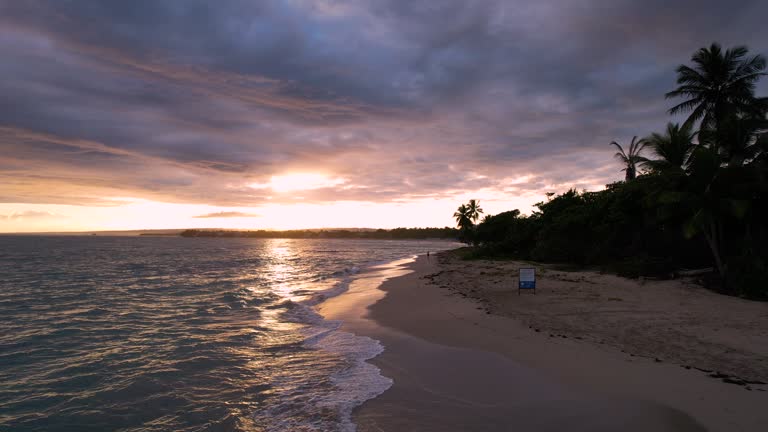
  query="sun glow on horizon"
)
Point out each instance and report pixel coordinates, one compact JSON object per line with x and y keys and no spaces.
{"x":281,"y":208}
{"x":299,"y":182}
{"x":138,"y":214}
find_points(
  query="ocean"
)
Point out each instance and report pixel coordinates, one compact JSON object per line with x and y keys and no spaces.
{"x":183,"y":334}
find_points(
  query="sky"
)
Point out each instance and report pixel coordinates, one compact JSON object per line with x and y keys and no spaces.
{"x":315,"y":113}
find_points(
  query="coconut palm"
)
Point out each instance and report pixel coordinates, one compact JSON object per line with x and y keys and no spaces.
{"x":762,"y":157}
{"x":463,"y":218}
{"x":474,"y":209}
{"x":721,"y":189}
{"x":718,"y":85}
{"x":711,"y":200}
{"x":673,"y":149}
{"x":720,"y":93}
{"x":738,"y":139}
{"x":631,"y":158}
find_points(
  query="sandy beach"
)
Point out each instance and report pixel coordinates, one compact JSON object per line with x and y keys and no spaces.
{"x":588,"y":352}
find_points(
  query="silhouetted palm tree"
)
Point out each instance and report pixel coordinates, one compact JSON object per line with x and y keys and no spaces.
{"x":718,"y":85}
{"x":462,"y":216}
{"x":719,"y":190}
{"x":673,"y":149}
{"x":631,"y":158}
{"x":738,"y":139}
{"x":707,"y":196}
{"x":473,"y":207}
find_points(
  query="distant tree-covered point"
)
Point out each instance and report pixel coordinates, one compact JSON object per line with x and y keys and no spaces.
{"x":379,"y":234}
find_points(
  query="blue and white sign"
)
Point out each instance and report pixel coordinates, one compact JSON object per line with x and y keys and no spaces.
{"x":527,"y":279}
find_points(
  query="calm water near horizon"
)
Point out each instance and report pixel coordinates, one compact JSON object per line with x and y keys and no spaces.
{"x":177,"y":334}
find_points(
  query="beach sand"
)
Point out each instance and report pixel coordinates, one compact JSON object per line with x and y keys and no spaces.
{"x":610,"y":354}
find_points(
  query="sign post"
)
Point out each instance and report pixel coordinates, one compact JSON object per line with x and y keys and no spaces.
{"x":527,"y":280}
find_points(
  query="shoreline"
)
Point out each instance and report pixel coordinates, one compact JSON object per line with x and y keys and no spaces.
{"x":462,"y":365}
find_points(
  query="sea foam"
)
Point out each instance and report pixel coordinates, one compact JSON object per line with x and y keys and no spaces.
{"x":356,"y":382}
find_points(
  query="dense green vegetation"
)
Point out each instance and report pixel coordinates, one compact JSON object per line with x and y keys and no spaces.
{"x":700,"y":198}
{"x":380,"y":234}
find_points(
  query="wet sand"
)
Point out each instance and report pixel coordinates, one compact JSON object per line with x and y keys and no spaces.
{"x":457,"y":367}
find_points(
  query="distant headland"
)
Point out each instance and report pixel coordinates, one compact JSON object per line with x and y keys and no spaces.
{"x":351,"y":233}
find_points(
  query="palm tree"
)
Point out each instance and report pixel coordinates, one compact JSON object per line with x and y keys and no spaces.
{"x":762,"y":156}
{"x":673,"y":149}
{"x":463,"y":218}
{"x":720,"y":191}
{"x":717,"y":192}
{"x":718,"y":85}
{"x":709,"y":200}
{"x":464,"y":221}
{"x":631,"y":158}
{"x":474,"y":209}
{"x":738,"y":140}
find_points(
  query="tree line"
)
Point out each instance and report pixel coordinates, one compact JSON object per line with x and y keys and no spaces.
{"x":379,"y":234}
{"x":694,"y":195}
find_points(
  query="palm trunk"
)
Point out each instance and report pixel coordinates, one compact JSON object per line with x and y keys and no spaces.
{"x":712,"y":240}
{"x":748,"y":237}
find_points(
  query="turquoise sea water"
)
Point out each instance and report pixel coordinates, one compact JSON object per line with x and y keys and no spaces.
{"x":178,"y":334}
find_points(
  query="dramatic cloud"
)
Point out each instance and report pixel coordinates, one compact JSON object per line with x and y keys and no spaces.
{"x":197,"y":101}
{"x":227,"y":214}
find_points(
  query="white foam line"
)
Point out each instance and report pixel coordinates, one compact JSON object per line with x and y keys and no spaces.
{"x":362,"y":381}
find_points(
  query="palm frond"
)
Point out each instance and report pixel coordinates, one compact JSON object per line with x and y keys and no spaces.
{"x":685,"y":106}
{"x":621,"y":157}
{"x":687,"y":75}
{"x":621,"y":150}
{"x":639,"y":146}
{"x":698,"y":113}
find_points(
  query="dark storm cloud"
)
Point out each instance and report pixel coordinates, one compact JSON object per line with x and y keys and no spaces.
{"x":193,"y":101}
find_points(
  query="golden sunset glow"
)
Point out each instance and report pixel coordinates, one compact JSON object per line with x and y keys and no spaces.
{"x":254,"y":131}
{"x":284,"y":207}
{"x":136,"y":214}
{"x":299,"y":182}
